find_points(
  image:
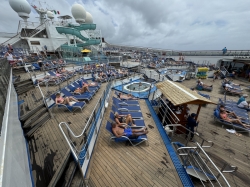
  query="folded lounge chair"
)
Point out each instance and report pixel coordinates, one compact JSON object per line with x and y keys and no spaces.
{"x":134,"y":141}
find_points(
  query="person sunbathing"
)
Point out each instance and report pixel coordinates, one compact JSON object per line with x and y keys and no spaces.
{"x":84,"y":88}
{"x":65,"y":101}
{"x":130,"y":133}
{"x":124,"y":120}
{"x":127,"y":97}
{"x":91,"y":84}
{"x":102,"y":75}
{"x":228,"y":117}
{"x":65,"y":72}
{"x":230,"y":113}
{"x":230,"y":89}
{"x":46,"y":78}
{"x":226,"y":81}
{"x":204,"y":85}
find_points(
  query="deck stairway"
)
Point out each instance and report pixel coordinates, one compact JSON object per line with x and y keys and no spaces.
{"x":23,"y":86}
{"x":34,"y":119}
{"x":198,"y":164}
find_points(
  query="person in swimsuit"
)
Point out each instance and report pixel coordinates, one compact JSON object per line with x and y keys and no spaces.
{"x":230,"y":89}
{"x":130,"y":133}
{"x":84,"y":88}
{"x":127,"y":97}
{"x":228,"y":117}
{"x":123,"y":120}
{"x":200,"y":83}
{"x":65,"y":101}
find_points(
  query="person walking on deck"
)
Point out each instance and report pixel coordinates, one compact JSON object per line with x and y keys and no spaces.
{"x":191,"y":123}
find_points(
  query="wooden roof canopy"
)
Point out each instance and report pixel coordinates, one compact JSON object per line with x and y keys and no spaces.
{"x":178,"y":94}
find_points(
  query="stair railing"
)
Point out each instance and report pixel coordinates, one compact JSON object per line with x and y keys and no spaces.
{"x":220,"y":173}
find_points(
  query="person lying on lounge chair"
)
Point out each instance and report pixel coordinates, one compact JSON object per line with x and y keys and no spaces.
{"x":46,"y":78}
{"x":204,"y":85}
{"x":227,"y":117}
{"x":226,"y":81}
{"x":91,"y":84}
{"x":129,"y":96}
{"x":124,"y":120}
{"x":229,"y":88}
{"x":84,"y":88}
{"x":64,"y":71}
{"x":130,"y":133}
{"x":65,"y":101}
{"x":230,"y":113}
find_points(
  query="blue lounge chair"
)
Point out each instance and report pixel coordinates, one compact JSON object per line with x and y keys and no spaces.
{"x":233,"y":91}
{"x":233,"y":125}
{"x":129,"y":107}
{"x":233,"y":107}
{"x":78,"y":97}
{"x":134,"y":141}
{"x":126,"y":103}
{"x":127,"y":100}
{"x":137,"y":121}
{"x":77,"y":105}
{"x":84,"y":80}
{"x":133,"y":114}
{"x":93,"y":90}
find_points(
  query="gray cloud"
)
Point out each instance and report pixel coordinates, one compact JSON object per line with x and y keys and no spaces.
{"x":169,"y":24}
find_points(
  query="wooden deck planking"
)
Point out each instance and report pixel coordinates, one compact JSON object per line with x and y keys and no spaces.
{"x":229,"y":147}
{"x":141,"y":165}
{"x":48,"y":138}
{"x":206,"y":117}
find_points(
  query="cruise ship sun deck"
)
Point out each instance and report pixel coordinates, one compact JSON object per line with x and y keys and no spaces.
{"x":120,"y":164}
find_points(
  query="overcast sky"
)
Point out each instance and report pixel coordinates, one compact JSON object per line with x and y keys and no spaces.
{"x":167,"y":24}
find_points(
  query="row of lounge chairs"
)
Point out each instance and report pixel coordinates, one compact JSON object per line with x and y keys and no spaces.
{"x":48,"y":65}
{"x":68,"y":91}
{"x":124,"y":108}
{"x":54,"y":78}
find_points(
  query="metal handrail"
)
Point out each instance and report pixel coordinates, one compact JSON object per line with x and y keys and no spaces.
{"x":213,"y":164}
{"x":86,"y":126}
{"x":200,"y":148}
{"x":168,"y":108}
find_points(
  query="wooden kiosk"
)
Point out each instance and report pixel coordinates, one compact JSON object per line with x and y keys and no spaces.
{"x":181,"y":96}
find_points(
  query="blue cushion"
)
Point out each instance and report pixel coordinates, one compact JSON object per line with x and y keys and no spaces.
{"x":217,"y":113}
{"x":80,"y":83}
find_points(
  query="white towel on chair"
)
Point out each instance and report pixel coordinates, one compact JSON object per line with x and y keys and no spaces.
{"x":72,"y":103}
